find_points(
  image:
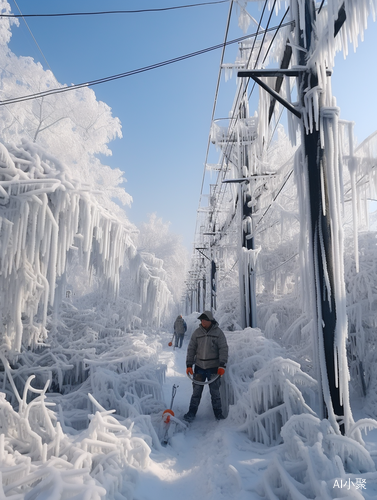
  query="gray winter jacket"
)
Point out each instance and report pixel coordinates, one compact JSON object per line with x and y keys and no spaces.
{"x":207,"y":349}
{"x":180,"y":326}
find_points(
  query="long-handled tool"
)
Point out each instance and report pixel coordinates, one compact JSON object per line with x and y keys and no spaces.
{"x":167,"y":414}
{"x":171,"y":342}
{"x":198,"y":382}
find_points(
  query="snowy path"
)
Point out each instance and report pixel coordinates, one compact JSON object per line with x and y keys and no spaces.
{"x":209,"y":460}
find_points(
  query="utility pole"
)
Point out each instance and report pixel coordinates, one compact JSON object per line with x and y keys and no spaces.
{"x":246,"y":268}
{"x":322,"y":242}
{"x":320,"y":224}
{"x":203,"y":281}
{"x":213,"y":285}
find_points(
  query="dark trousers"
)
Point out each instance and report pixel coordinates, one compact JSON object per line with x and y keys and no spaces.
{"x":179,"y":339}
{"x":202,"y":375}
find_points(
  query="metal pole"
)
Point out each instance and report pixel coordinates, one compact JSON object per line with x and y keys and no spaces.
{"x":247,"y":281}
{"x":213,"y":285}
{"x":321,"y":230}
{"x":204,"y":292}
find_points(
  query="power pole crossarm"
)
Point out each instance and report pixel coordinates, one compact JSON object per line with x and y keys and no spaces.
{"x":275,"y":95}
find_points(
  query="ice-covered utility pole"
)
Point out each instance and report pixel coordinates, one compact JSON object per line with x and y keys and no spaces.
{"x":246,"y":268}
{"x":318,"y":125}
{"x":320,"y":222}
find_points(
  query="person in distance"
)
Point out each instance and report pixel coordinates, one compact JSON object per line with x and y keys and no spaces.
{"x":180,"y":328}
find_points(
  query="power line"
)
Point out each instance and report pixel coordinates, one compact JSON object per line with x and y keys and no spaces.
{"x":277,"y":267}
{"x":235,"y":117}
{"x":27,"y":26}
{"x":216,"y":93}
{"x":126,"y":74}
{"x":138,"y":11}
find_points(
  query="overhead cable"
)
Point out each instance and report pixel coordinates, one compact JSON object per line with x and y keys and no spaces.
{"x":138,"y":11}
{"x":235,"y":117}
{"x":236,"y":111}
{"x":33,"y":37}
{"x":126,"y":74}
{"x":216,"y":94}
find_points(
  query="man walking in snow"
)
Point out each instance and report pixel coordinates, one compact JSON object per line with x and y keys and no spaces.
{"x":180,"y":328}
{"x":208,"y":349}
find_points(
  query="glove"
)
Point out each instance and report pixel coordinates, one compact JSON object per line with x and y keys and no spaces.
{"x":189,"y":371}
{"x":221,"y":371}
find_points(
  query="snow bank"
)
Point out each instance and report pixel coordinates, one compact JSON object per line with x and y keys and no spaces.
{"x":38,"y":458}
{"x":75,"y":415}
{"x":314,"y":460}
{"x":263,"y":387}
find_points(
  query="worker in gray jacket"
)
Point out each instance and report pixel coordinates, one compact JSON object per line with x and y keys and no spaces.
{"x":208,"y":350}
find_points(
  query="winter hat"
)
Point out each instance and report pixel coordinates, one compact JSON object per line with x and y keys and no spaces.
{"x":207,"y":315}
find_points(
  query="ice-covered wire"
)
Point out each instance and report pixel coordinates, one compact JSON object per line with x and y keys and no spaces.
{"x":125,"y":74}
{"x":235,"y":116}
{"x":277,"y":267}
{"x":136,"y":11}
{"x":217,"y":91}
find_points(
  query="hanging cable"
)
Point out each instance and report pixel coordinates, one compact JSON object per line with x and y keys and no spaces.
{"x":40,"y":50}
{"x":236,"y":109}
{"x":216,"y":96}
{"x":138,"y":11}
{"x":277,"y":267}
{"x":239,"y":97}
{"x":122,"y":75}
{"x":27,"y":26}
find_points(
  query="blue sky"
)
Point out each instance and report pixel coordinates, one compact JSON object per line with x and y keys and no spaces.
{"x":166,"y":113}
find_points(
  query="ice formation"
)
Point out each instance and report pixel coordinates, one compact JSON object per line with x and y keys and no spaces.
{"x":36,"y":455}
{"x":78,"y":413}
{"x":45,"y":215}
{"x":312,"y":459}
{"x":247,"y":160}
{"x":75,"y":414}
{"x":47,"y":218}
{"x":263,"y":386}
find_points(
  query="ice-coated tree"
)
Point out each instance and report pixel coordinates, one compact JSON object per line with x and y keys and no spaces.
{"x":155,"y":237}
{"x":73,"y":126}
{"x":56,"y":197}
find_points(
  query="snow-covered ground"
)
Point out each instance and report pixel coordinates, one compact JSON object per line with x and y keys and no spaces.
{"x":97,"y":431}
{"x":209,"y":459}
{"x":214,"y":460}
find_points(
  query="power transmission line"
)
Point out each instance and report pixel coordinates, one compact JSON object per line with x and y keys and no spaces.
{"x":33,"y":37}
{"x":126,"y":74}
{"x":228,"y":147}
{"x":215,"y":99}
{"x":138,"y":11}
{"x":235,"y":115}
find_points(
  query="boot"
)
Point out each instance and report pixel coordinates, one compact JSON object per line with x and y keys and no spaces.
{"x":218,"y":415}
{"x":189,"y":416}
